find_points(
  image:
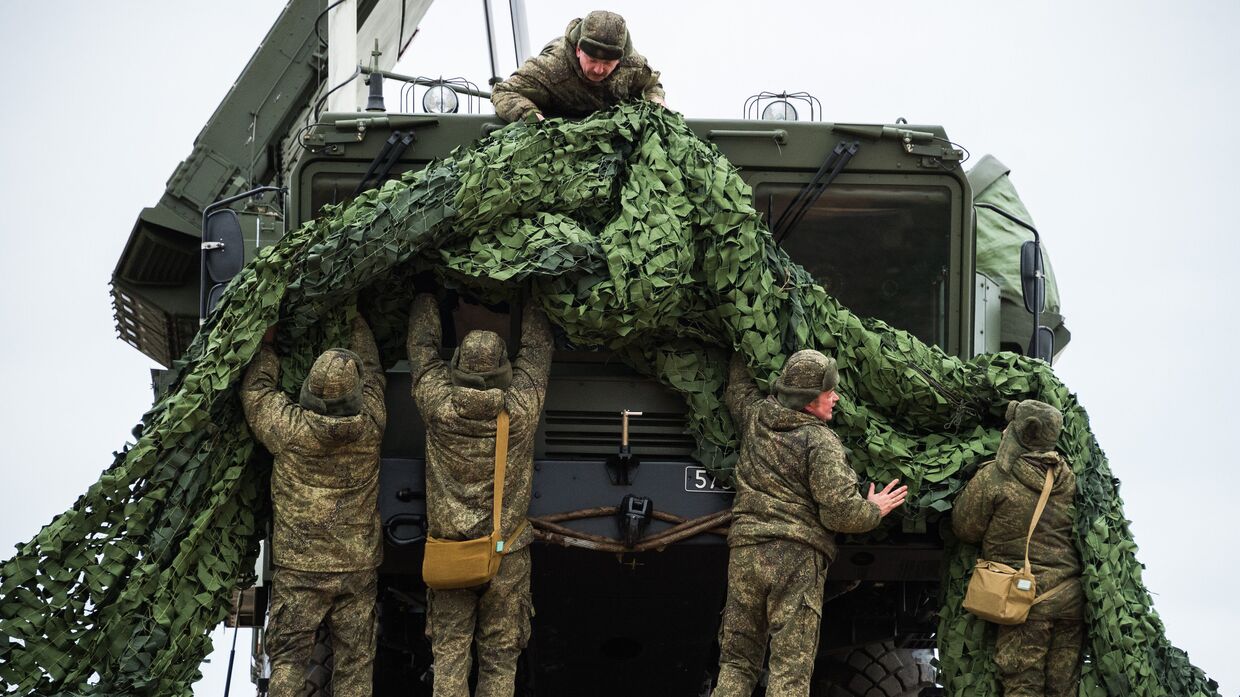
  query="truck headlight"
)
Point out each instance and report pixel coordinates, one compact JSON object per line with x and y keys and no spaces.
{"x":440,"y":99}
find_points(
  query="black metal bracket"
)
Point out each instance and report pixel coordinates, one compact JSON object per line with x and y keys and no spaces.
{"x":633,"y":518}
{"x":621,"y":467}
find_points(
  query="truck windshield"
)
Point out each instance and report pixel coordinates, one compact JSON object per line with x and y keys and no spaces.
{"x":881,"y":250}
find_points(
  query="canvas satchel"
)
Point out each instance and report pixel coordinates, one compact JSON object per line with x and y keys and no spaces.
{"x":1003,"y":595}
{"x":450,"y":564}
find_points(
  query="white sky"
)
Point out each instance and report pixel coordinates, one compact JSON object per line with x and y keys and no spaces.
{"x":1115,"y":117}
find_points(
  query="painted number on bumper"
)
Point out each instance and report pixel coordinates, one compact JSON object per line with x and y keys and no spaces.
{"x":698,"y":480}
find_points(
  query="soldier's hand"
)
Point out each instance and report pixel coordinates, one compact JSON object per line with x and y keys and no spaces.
{"x":540,"y":116}
{"x":889,"y":498}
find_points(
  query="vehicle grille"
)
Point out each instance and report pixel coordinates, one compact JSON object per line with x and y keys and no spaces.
{"x":574,"y":434}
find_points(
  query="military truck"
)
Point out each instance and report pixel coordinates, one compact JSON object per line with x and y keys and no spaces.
{"x":630,"y":570}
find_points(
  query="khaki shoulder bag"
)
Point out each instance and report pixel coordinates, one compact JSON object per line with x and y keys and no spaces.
{"x":450,"y":564}
{"x":1003,"y":595}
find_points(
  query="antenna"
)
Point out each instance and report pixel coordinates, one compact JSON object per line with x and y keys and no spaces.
{"x":520,"y":31}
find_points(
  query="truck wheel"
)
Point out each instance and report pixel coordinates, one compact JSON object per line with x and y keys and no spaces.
{"x":874,"y":670}
{"x":319,"y":672}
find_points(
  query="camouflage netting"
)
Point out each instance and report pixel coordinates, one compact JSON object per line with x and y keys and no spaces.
{"x":633,"y":235}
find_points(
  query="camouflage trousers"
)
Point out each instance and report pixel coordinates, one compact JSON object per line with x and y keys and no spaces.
{"x":775,"y":592}
{"x":1040,"y":657}
{"x":300,"y":601}
{"x":494,"y":617}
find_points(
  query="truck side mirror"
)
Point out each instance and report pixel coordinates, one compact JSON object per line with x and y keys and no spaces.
{"x":1042,"y":343}
{"x":223,"y":248}
{"x":223,"y":245}
{"x":223,"y":254}
{"x":1032,"y":283}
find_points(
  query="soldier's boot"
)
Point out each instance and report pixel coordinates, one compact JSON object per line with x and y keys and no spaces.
{"x":450,"y":619}
{"x":352,"y":625}
{"x":298,"y":606}
{"x":503,"y":626}
{"x":1063,"y":660}
{"x":1020,"y":656}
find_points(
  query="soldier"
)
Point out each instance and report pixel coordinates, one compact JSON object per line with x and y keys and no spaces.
{"x":593,"y":66}
{"x":324,"y":489}
{"x":459,"y":403}
{"x":794,"y":490}
{"x":1043,"y":655}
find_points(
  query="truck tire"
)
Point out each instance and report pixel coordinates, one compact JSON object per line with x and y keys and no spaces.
{"x":875,"y":670}
{"x":319,"y":672}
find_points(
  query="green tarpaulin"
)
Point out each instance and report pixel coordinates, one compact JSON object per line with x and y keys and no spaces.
{"x":998,"y":254}
{"x":633,"y":235}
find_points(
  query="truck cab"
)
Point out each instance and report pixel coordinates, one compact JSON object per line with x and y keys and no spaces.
{"x":890,"y":235}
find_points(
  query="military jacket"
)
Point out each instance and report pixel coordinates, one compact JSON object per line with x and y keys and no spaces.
{"x":996,"y":507}
{"x":460,"y":430}
{"x":792,"y":480}
{"x":552,"y":83}
{"x":325,"y":478}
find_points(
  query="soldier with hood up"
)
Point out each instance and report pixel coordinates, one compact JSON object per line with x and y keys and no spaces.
{"x":592,"y":67}
{"x":794,"y":491}
{"x":326,"y":541}
{"x":1042,"y":656}
{"x":459,"y":403}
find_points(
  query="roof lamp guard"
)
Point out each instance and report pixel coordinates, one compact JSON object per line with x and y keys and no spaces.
{"x":781,"y":106}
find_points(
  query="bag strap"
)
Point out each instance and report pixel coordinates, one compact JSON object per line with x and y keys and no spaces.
{"x":501,"y":463}
{"x":1037,"y":513}
{"x":502,"y":546}
{"x":1053,"y":592}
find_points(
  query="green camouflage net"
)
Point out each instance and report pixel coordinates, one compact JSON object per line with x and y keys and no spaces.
{"x":634,"y":236}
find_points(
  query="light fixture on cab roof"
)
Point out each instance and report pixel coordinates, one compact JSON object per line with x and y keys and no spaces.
{"x":782,"y":106}
{"x":440,"y":99}
{"x":779,"y":110}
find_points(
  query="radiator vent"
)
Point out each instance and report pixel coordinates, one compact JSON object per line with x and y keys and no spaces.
{"x":571,"y":434}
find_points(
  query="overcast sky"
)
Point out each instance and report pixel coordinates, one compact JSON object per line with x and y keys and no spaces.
{"x":1115,"y":117}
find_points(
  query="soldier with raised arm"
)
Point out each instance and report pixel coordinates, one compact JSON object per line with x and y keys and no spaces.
{"x":1042,"y":656}
{"x":794,"y":491}
{"x":326,"y":542}
{"x":459,"y":403}
{"x":593,"y":66}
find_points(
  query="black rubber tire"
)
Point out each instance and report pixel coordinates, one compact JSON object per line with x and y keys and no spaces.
{"x":874,"y":670}
{"x":319,"y":672}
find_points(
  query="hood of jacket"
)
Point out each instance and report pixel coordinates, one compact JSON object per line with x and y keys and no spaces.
{"x":1030,"y":469}
{"x":335,"y":430}
{"x":482,"y":405}
{"x":777,"y":417}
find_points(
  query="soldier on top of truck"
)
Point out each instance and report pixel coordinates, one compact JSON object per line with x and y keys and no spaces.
{"x":593,"y":66}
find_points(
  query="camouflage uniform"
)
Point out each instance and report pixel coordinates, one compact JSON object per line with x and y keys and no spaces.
{"x":793,"y":491}
{"x":553,"y":83}
{"x":1043,"y":655}
{"x":326,"y":542}
{"x":459,"y":403}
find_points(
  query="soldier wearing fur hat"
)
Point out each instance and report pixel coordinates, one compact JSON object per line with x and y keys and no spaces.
{"x":593,"y":66}
{"x":459,"y":402}
{"x":1043,"y":655}
{"x":794,"y":491}
{"x":326,"y":541}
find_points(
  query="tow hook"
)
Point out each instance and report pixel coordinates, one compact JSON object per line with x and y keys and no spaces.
{"x":634,"y":515}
